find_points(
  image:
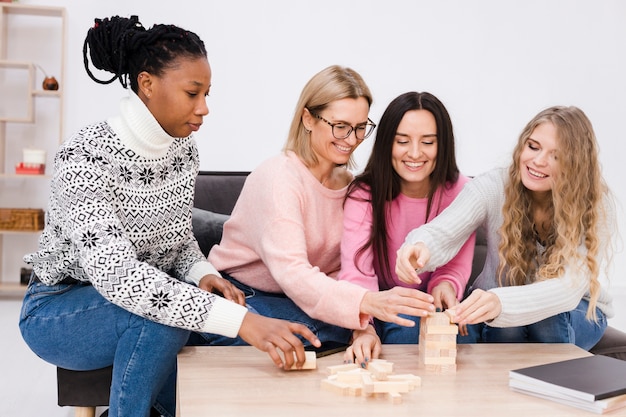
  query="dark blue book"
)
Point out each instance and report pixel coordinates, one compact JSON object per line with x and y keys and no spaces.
{"x":596,"y":383}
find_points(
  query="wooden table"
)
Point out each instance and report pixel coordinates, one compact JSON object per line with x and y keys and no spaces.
{"x":242,"y":381}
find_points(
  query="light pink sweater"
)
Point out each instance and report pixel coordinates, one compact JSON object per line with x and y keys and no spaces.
{"x":284,"y":235}
{"x":405,"y":214}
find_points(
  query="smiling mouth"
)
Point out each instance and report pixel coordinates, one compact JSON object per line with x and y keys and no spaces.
{"x":343,"y":148}
{"x":536,"y":174}
{"x":414,"y":165}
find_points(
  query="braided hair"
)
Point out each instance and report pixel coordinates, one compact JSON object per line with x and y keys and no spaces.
{"x":122,"y":46}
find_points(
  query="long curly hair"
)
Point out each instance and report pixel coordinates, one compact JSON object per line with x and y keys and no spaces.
{"x":576,"y":208}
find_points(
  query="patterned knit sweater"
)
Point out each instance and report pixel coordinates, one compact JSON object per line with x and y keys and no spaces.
{"x":480,"y":203}
{"x":119,"y":218}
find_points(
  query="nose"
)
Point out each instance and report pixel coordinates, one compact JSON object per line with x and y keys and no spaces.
{"x":414,"y":150}
{"x":202,"y":109}
{"x":541,"y":159}
{"x":352,"y":139}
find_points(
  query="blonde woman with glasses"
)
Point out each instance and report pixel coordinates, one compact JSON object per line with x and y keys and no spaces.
{"x":281,"y":246}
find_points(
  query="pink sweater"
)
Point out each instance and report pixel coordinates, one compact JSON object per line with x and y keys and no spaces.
{"x":406,"y":214}
{"x":284,"y":235}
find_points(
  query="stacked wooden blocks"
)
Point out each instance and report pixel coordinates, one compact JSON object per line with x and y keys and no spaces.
{"x":378,"y":378}
{"x":437,"y":342}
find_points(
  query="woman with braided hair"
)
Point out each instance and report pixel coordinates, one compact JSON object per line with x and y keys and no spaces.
{"x":549,"y":220}
{"x":118,"y":278}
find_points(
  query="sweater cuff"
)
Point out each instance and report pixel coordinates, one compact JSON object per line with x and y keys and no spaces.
{"x":199,"y":270}
{"x":225,"y":317}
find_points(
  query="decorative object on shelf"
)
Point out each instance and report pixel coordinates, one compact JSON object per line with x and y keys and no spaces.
{"x":33,"y":162}
{"x":20,"y":219}
{"x":49,"y":82}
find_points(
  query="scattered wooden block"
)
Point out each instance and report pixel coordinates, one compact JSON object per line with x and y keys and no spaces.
{"x":341,"y":368}
{"x":309,"y":363}
{"x":377,"y":379}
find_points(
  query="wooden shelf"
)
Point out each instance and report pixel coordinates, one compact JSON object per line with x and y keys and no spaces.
{"x":21,"y":53}
{"x":12,"y":289}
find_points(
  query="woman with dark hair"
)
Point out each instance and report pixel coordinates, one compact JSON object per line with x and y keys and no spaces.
{"x":411,"y":176}
{"x":549,"y":220}
{"x":119,"y":278}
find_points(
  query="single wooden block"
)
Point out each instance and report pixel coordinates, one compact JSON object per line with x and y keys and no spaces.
{"x":309,"y":363}
{"x":451,"y":313}
{"x":353,"y":376}
{"x":443,"y":329}
{"x":335,"y":386}
{"x":395,"y":397}
{"x":380,"y":368}
{"x":441,"y":360}
{"x":414,"y":381}
{"x":341,"y":368}
{"x":440,"y":369}
{"x":378,"y":387}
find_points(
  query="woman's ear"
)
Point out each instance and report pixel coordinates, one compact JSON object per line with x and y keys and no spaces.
{"x":307,"y":119}
{"x":144,"y":81}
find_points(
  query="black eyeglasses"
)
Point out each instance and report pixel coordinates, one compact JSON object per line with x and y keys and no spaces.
{"x":343,"y":130}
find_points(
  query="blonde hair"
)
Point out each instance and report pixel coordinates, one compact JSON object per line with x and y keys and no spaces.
{"x":576,"y":207}
{"x":330,"y":84}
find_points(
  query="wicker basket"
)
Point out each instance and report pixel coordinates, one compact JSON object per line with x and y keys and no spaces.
{"x":21,"y":219}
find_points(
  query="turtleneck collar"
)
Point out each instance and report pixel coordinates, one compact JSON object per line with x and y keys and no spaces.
{"x":139,"y":130}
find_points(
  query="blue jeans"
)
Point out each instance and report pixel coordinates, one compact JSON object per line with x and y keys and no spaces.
{"x":74,"y":327}
{"x":278,"y":306}
{"x":391,"y":333}
{"x":569,"y":327}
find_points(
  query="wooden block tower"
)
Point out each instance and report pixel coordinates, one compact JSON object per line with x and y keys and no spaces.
{"x":437,"y":342}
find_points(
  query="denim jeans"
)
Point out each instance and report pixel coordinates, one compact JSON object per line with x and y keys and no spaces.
{"x":391,"y":333}
{"x":569,"y":327}
{"x":74,"y":327}
{"x":278,"y":306}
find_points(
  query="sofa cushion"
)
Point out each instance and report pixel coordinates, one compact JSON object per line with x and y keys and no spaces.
{"x":207,"y":228}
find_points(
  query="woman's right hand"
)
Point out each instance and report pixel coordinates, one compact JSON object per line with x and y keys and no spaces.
{"x":366,"y":345}
{"x":271,"y":335}
{"x":411,"y":258}
{"x":387,"y":305}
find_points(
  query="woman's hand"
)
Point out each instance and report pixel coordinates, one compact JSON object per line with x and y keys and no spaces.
{"x":411,"y":258}
{"x":223,"y":287}
{"x":479,"y":307}
{"x":444,"y":294}
{"x":271,"y":335}
{"x":386,"y":305}
{"x":365,"y":345}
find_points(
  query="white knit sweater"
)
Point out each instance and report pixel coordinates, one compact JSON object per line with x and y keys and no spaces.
{"x":119,"y":217}
{"x":480,"y":203}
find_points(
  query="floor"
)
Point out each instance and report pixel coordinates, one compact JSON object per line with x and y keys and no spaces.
{"x":28,"y":384}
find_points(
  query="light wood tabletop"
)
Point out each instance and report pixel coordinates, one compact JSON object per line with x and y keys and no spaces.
{"x":242,"y":381}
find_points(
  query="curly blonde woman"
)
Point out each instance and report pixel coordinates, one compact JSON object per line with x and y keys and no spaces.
{"x":547,"y":220}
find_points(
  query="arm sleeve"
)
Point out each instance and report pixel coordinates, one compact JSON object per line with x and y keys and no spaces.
{"x":447,"y":233}
{"x":281,"y":243}
{"x":357,"y":226}
{"x":110,"y":261}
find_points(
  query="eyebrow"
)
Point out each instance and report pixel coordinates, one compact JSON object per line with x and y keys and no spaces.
{"x":428,"y":135}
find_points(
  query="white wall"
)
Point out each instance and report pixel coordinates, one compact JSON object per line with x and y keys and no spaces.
{"x":494,"y":64}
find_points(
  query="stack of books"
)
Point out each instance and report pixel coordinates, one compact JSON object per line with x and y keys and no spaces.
{"x":593,"y":383}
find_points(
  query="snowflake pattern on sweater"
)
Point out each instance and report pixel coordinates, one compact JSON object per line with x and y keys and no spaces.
{"x":122,"y":222}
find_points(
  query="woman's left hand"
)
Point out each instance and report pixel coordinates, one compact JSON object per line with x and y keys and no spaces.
{"x":365,"y":346}
{"x":223,"y":287}
{"x":479,"y":307}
